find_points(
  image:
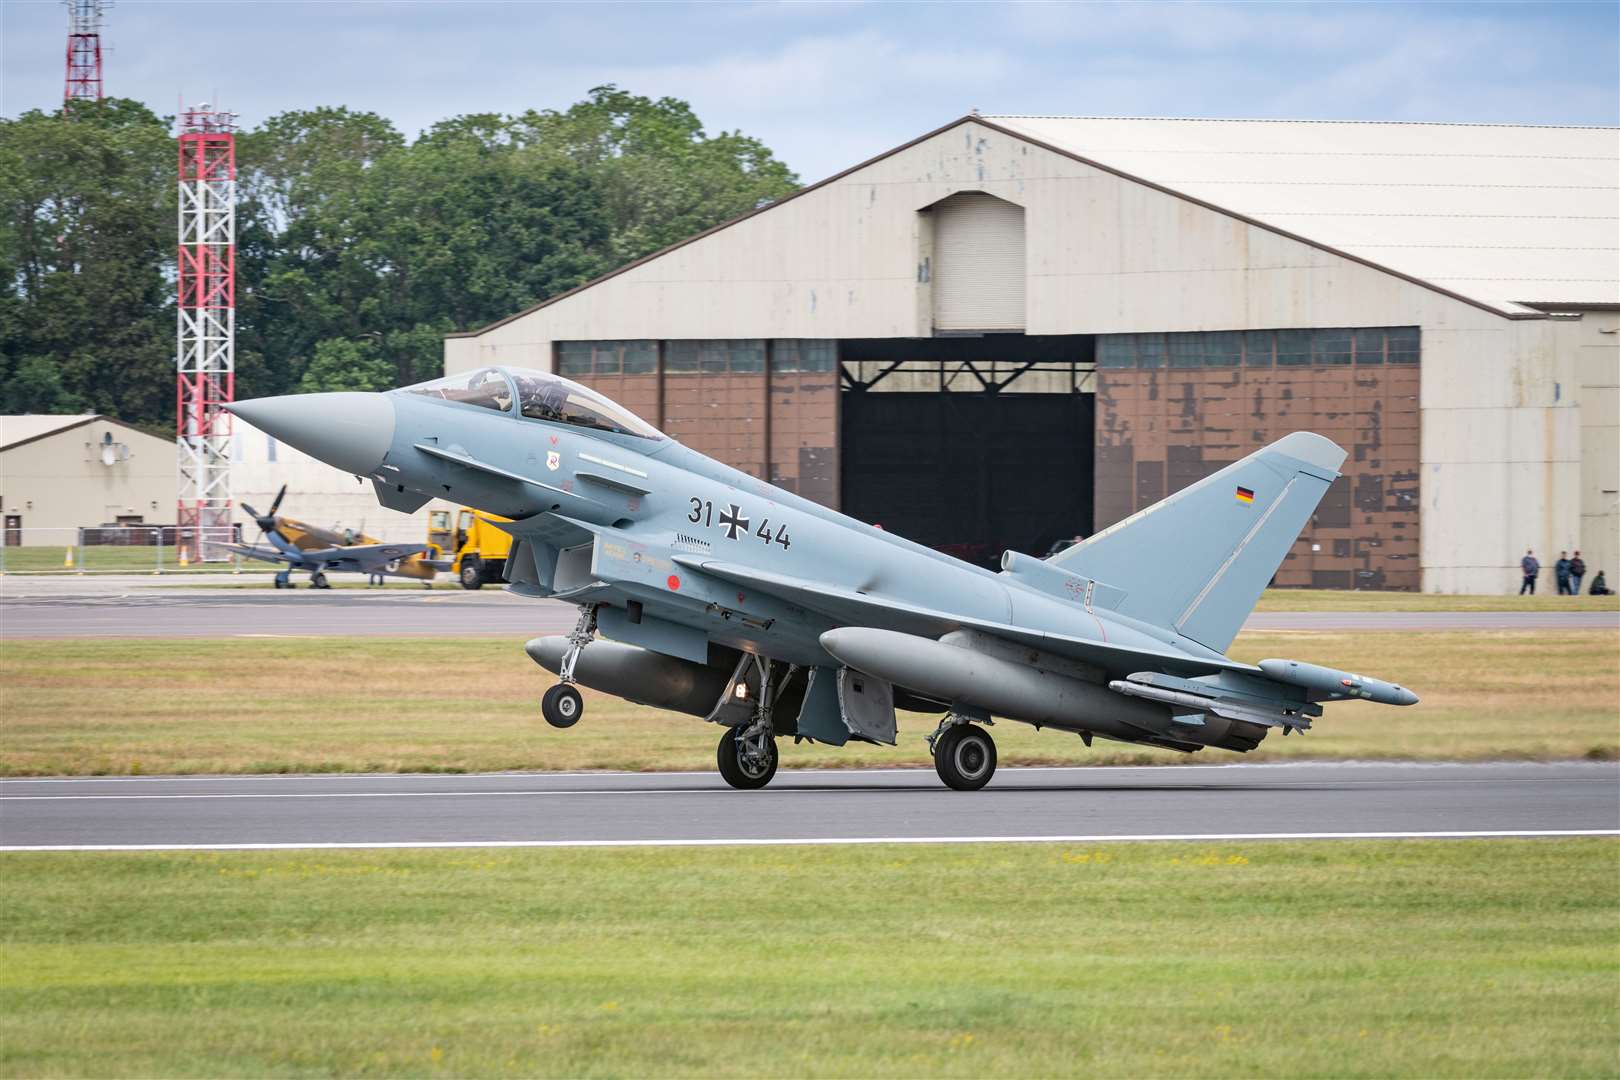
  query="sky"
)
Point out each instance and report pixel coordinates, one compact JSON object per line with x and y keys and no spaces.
{"x":827,"y":85}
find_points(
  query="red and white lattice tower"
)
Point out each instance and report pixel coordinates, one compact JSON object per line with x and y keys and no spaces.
{"x":84,"y":50}
{"x":206,"y":354}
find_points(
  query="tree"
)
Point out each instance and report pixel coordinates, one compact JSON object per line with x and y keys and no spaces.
{"x":86,"y":243}
{"x":340,"y":364}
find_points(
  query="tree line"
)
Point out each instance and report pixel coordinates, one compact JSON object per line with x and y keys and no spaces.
{"x":357,"y":249}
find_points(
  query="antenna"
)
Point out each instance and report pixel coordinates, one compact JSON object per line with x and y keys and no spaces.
{"x":83,"y":81}
{"x":205,"y":354}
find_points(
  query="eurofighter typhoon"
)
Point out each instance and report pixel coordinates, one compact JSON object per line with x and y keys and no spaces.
{"x":705,"y":591}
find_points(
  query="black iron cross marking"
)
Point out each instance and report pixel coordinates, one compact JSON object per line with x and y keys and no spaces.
{"x":733,"y":522}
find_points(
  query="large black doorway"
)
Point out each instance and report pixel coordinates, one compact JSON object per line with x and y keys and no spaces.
{"x":970,"y":471}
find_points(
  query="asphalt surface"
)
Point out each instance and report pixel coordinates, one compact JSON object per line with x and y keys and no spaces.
{"x":69,"y":606}
{"x":1305,"y":801}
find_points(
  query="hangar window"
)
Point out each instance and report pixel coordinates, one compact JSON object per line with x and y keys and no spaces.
{"x":1150,"y":350}
{"x":1403,"y":345}
{"x":803,"y":354}
{"x":1258,"y":346}
{"x":1331,"y":347}
{"x":1369,"y":346}
{"x":1186,"y":350}
{"x":1116,"y":351}
{"x":716,"y":356}
{"x":1293,"y":348}
{"x":580,"y":358}
{"x":1223,"y":349}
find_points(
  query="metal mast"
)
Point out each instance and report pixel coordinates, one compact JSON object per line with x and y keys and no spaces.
{"x":206,"y":352}
{"x":84,"y":50}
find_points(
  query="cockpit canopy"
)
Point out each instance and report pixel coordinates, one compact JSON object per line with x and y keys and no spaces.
{"x":538,"y":395}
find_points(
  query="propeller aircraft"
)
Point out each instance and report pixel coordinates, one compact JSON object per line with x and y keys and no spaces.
{"x":307,"y":547}
{"x":707,"y":591}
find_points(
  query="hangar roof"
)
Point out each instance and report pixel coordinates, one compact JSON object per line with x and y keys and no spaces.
{"x":1510,"y":216}
{"x":30,"y":426}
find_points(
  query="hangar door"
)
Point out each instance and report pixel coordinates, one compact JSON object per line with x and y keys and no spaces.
{"x":978,"y":263}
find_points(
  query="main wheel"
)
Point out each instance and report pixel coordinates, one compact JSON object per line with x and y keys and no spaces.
{"x":738,"y":768}
{"x":472,"y":573}
{"x":965,"y":757}
{"x":317,"y":580}
{"x":562,"y":706}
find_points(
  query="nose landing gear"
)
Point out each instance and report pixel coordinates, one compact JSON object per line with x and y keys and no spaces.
{"x":562,"y":705}
{"x":964,"y":754}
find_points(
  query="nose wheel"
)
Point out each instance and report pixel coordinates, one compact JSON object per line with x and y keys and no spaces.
{"x":562,"y":706}
{"x":964,"y":756}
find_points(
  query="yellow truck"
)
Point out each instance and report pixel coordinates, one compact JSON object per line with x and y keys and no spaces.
{"x":475,"y":549}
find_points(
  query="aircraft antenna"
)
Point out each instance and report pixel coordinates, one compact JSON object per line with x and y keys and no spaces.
{"x":83,"y":81}
{"x":205,"y":354}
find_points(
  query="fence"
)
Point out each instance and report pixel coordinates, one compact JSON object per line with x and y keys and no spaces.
{"x":134,"y":549}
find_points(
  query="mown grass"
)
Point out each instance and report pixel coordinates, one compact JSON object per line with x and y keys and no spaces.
{"x":1346,"y":600}
{"x":1415,"y":958}
{"x":106,"y":558}
{"x":382,"y":704}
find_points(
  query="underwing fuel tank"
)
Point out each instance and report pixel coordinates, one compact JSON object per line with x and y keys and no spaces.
{"x":1001,"y":687}
{"x":638,"y":675}
{"x":1324,"y":680}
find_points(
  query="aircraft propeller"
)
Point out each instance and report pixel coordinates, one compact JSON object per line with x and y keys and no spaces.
{"x":266,"y":522}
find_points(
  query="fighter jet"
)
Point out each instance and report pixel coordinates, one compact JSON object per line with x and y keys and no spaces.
{"x":706,"y":591}
{"x":306,"y":547}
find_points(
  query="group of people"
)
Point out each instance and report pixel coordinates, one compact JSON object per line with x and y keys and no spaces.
{"x":1567,"y":570}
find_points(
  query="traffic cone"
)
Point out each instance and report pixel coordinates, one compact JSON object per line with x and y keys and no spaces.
{"x":183,"y":561}
{"x":67,"y":559}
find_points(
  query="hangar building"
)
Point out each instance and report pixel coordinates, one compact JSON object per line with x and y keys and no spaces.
{"x":60,"y":472}
{"x":1014,"y":329}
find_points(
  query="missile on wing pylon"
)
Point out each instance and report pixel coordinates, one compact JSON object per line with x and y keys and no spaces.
{"x":1324,"y":680}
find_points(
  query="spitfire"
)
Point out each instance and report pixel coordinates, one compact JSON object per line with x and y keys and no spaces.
{"x":724,"y":597}
{"x":306,"y":547}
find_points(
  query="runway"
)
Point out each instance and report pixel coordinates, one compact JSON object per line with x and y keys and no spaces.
{"x":1212,"y":802}
{"x":73,"y":607}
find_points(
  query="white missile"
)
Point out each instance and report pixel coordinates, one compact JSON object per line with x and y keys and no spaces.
{"x":1341,"y":683}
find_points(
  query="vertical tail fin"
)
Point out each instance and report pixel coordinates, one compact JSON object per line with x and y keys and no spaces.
{"x":1197,"y":561}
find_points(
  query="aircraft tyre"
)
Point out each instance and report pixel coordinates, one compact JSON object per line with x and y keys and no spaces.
{"x":472,"y":573}
{"x":317,"y":580}
{"x":737,"y":770}
{"x":965,"y":757}
{"x":562,"y":706}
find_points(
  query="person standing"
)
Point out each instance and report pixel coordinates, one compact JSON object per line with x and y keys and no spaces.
{"x":1531,"y":567}
{"x":1577,"y":570}
{"x":1561,"y":573}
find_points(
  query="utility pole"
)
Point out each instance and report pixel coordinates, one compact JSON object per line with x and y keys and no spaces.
{"x":205,"y":358}
{"x":84,"y":50}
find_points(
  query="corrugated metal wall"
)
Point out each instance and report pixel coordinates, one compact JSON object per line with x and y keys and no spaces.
{"x":978,"y":267}
{"x":1173,"y":408}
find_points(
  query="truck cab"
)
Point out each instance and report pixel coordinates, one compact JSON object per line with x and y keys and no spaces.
{"x":476,"y":549}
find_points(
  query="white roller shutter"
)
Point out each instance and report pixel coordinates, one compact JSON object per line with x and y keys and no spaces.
{"x":978,"y":263}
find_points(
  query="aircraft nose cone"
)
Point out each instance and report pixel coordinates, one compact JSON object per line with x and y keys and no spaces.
{"x":350,"y":431}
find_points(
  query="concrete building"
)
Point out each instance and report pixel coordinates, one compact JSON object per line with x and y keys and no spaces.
{"x":1017,"y":328}
{"x":64,"y":472}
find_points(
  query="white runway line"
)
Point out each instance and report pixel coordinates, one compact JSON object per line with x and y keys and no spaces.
{"x":831,"y":789}
{"x":1097,"y":838}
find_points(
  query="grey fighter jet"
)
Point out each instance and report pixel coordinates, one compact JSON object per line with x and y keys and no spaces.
{"x":721,"y":596}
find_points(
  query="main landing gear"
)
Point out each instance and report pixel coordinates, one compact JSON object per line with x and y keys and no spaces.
{"x":562,"y":705}
{"x":284,"y":579}
{"x":317,"y":580}
{"x":964,"y":753}
{"x":747,"y":752}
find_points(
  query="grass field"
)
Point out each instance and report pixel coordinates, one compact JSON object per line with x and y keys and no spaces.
{"x":1416,"y":958}
{"x":380,"y":704}
{"x":1341,"y":600}
{"x":105,"y":558}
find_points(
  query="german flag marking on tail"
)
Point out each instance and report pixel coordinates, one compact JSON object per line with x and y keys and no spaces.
{"x":1245,"y":495}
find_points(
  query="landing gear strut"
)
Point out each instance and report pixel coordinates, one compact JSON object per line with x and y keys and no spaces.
{"x":747,"y":753}
{"x":283,"y":579}
{"x":964,"y":754}
{"x":562,"y":705}
{"x":317,"y":580}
